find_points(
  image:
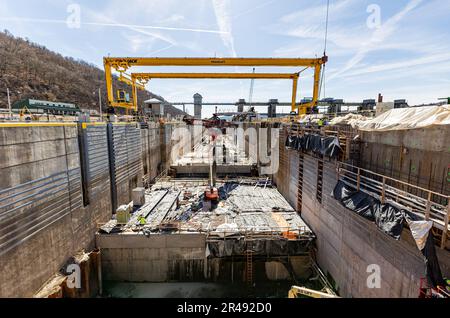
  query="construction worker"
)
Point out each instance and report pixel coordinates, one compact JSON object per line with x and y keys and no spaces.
{"x":142,"y":220}
{"x":320,"y":123}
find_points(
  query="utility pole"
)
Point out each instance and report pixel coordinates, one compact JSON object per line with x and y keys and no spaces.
{"x":9,"y":103}
{"x":100,"y":103}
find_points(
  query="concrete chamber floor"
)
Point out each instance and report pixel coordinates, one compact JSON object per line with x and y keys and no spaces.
{"x":207,"y":248}
{"x":195,"y":290}
{"x":245,"y":206}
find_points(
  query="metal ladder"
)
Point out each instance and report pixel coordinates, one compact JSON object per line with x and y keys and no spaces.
{"x":300,"y":183}
{"x":319,"y":180}
{"x":249,"y":257}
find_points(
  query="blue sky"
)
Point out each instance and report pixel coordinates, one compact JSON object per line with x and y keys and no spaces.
{"x":406,"y":55}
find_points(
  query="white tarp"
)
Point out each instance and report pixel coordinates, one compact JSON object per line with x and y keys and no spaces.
{"x":420,"y":230}
{"x":350,"y":119}
{"x":227,"y":229}
{"x":311,"y":119}
{"x":408,"y":118}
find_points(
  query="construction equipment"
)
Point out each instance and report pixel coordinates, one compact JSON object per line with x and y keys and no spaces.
{"x":212,"y":193}
{"x":214,"y":122}
{"x":326,"y":292}
{"x":427,"y":291}
{"x":121,"y":65}
{"x":296,"y":291}
{"x":126,"y":78}
{"x":122,"y":96}
{"x":146,"y":77}
{"x":25,"y":111}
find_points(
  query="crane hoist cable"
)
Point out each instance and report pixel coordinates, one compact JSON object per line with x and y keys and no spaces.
{"x":252,"y":86}
{"x":323,"y":79}
{"x":326,"y":28}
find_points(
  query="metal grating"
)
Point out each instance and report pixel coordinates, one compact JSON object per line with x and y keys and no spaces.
{"x":125,"y":155}
{"x":97,"y":159}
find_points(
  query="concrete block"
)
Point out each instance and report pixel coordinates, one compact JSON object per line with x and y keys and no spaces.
{"x":124,"y":213}
{"x":138,"y":196}
{"x":276,"y":271}
{"x":186,"y":241}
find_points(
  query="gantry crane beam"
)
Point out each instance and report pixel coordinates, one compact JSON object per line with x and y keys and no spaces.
{"x":127,"y":62}
{"x":125,"y":78}
{"x":123,"y":64}
{"x":145,"y":77}
{"x":149,"y":76}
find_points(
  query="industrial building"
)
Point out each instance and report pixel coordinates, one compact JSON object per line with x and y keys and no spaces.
{"x":46,"y":107}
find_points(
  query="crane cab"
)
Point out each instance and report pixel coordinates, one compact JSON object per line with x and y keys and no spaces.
{"x":123,"y":96}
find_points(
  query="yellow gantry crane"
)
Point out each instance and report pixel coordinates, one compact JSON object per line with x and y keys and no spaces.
{"x":138,"y":80}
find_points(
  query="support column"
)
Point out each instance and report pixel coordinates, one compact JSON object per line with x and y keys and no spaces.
{"x":135,"y":97}
{"x":198,"y":102}
{"x":317,"y":72}
{"x":109,"y":85}
{"x":272,"y":109}
{"x":294,"y":95}
{"x":240,"y":105}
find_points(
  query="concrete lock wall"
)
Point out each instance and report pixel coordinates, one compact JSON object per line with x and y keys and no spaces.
{"x":234,"y":269}
{"x":151,"y":155}
{"x":160,"y":258}
{"x":169,"y":138}
{"x":154,"y":151}
{"x":348,"y":243}
{"x":183,"y":258}
{"x":145,"y":154}
{"x":56,"y":186}
{"x":417,"y":156}
{"x":286,"y":178}
{"x":40,"y":206}
{"x":165,"y":145}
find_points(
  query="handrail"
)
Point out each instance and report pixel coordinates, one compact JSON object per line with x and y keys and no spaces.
{"x":162,"y":175}
{"x":286,"y":232}
{"x":429,"y":209}
{"x":393,"y":179}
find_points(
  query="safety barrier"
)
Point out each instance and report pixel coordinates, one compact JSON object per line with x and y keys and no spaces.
{"x":428,"y":204}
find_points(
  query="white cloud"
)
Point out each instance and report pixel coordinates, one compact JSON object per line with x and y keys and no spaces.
{"x":222,"y":12}
{"x":378,"y":36}
{"x":174,"y":18}
{"x":161,"y":50}
{"x":318,"y":13}
{"x":169,"y":19}
{"x":253,"y":9}
{"x":403,"y":64}
{"x":137,"y":41}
